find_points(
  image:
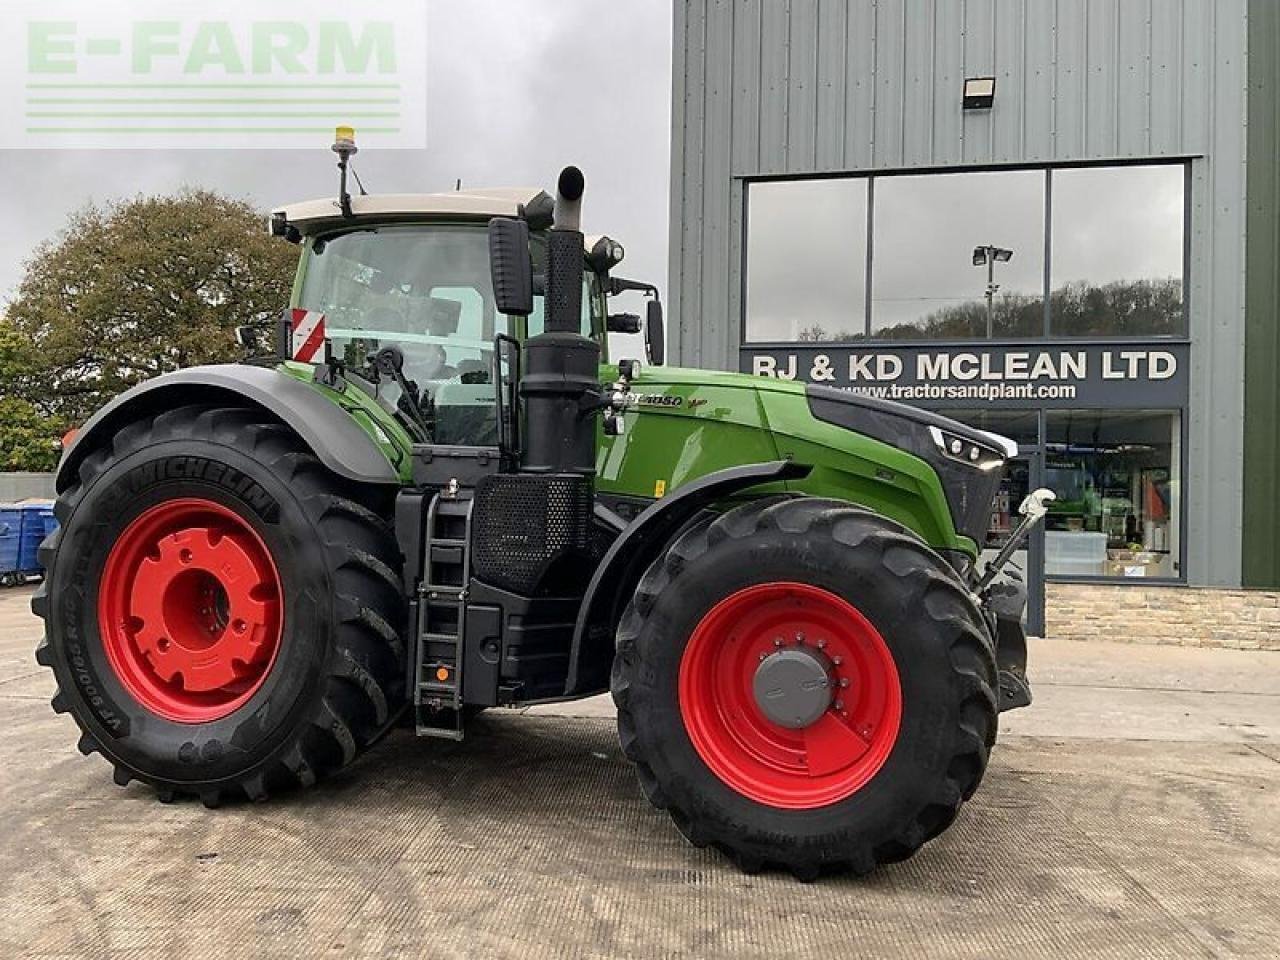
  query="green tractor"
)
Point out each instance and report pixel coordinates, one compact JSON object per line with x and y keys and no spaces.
{"x":433,"y":493}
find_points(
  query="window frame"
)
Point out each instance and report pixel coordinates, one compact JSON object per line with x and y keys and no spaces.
{"x":1046,"y":335}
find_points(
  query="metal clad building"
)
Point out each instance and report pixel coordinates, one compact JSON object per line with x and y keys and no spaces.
{"x":857,"y":92}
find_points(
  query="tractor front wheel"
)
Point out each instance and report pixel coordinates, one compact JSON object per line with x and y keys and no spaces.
{"x":222,"y":613}
{"x":803,"y":683}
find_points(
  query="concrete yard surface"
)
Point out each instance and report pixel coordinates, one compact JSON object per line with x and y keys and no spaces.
{"x":1133,"y":811}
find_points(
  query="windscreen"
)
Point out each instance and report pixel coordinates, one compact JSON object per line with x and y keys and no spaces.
{"x":428,"y":289}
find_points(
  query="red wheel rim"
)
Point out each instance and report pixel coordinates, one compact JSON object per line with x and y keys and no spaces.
{"x":189,"y":610}
{"x":820,"y":764}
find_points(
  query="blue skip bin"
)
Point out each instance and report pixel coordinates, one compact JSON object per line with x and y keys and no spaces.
{"x":23,"y":526}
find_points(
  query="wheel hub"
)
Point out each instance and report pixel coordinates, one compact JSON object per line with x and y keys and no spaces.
{"x":190,"y":610}
{"x":793,"y":686}
{"x":202,"y":626}
{"x":790,"y":695}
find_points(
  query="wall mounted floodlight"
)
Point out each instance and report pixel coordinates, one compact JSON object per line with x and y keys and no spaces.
{"x":979,"y":93}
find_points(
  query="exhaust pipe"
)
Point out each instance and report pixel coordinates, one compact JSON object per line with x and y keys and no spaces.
{"x":565,"y":255}
{"x":569,"y":188}
{"x":561,"y":381}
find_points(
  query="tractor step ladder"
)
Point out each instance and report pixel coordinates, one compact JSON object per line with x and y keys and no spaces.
{"x":442,"y":601}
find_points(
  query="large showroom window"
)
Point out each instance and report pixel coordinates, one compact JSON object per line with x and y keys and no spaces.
{"x":1117,"y":477}
{"x":926,"y":281}
{"x":807,"y":260}
{"x":961,"y":255}
{"x":1117,"y":251}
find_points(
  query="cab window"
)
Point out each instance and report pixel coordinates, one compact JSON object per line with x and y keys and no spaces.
{"x":428,"y":289}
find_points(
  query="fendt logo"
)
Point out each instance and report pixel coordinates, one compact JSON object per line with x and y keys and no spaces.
{"x":221,"y":74}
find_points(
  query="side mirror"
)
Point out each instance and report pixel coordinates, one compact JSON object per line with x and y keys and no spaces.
{"x":655,"y":333}
{"x":510,"y":266}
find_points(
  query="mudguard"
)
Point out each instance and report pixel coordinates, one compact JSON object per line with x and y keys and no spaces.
{"x":610,"y":589}
{"x":326,"y":429}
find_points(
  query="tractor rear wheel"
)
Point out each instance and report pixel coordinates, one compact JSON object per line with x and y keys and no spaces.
{"x":223,"y":615}
{"x":802,"y":683}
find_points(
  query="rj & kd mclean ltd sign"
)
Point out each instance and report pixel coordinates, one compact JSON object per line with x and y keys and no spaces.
{"x":1123,"y":374}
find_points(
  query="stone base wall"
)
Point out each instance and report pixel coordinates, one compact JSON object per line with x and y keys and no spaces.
{"x":1184,"y":616}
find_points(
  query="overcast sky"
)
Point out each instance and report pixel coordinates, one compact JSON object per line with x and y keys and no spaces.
{"x":516,"y":90}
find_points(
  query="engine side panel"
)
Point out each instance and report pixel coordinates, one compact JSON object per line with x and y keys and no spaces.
{"x":684,"y":424}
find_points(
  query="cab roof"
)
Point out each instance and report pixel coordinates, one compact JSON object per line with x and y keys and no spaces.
{"x":312,"y":216}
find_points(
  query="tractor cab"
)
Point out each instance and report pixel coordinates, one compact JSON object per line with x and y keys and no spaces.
{"x":414,"y":271}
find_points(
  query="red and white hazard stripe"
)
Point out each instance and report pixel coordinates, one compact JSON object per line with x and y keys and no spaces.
{"x":306,"y":334}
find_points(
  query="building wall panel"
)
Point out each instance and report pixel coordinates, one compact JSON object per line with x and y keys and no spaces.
{"x":861,"y":42}
{"x":1039,"y":75}
{"x":1102,"y":54}
{"x":1008,"y":138}
{"x":889,"y":63}
{"x":947,"y":46}
{"x":832,"y":71}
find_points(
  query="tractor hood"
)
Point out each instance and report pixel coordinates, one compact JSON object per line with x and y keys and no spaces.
{"x":969,"y":462}
{"x":931,"y":473}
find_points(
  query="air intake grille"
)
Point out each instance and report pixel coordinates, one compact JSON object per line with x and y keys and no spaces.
{"x":524,"y":527}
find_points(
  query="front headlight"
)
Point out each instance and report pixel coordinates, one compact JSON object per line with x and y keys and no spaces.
{"x":973,"y":452}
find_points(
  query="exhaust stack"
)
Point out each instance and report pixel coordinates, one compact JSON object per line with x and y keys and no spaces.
{"x":561,"y":382}
{"x":569,"y":188}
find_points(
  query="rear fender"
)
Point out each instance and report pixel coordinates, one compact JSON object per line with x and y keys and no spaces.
{"x":326,"y":428}
{"x":610,"y":589}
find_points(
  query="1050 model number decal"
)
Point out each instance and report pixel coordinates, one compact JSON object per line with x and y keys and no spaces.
{"x":652,"y":400}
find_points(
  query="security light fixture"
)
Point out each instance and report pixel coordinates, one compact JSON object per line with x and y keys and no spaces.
{"x":979,"y":93}
{"x":987,"y":255}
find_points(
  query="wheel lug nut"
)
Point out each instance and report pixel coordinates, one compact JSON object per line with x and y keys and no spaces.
{"x":837,"y":660}
{"x":844,"y":681}
{"x":822,"y":644}
{"x":799,"y":638}
{"x":839,"y":704}
{"x":777,"y":641}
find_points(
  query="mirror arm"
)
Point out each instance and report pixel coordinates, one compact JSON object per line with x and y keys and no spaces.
{"x":619,"y":285}
{"x":389,"y":361}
